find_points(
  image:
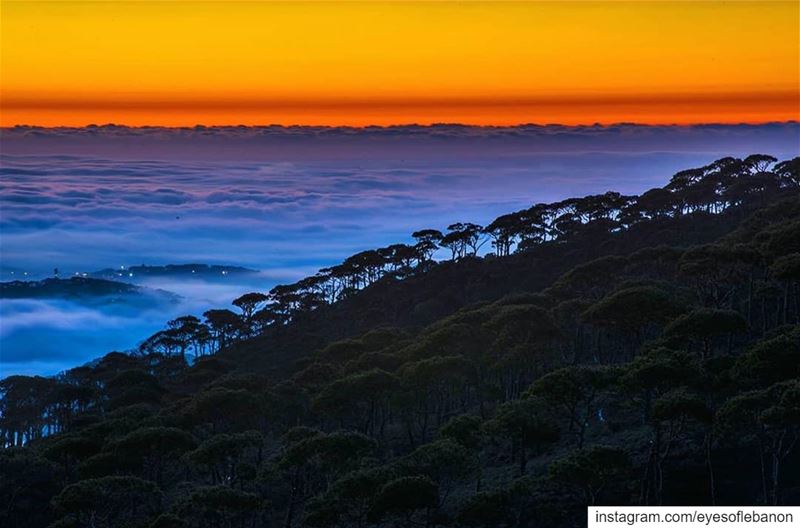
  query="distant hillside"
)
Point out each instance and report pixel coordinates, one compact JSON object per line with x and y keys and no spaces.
{"x":80,"y":289}
{"x":184,"y":271}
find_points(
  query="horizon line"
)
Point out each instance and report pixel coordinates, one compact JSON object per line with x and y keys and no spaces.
{"x":595,"y":124}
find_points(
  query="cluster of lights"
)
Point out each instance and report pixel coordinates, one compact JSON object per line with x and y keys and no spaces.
{"x":120,"y":273}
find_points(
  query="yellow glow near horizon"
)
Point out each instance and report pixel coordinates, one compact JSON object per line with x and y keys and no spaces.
{"x":182,"y":63}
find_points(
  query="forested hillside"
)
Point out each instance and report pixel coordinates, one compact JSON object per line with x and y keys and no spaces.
{"x":629,"y":350}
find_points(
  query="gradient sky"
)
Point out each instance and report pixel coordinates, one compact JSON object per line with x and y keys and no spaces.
{"x":187,"y":62}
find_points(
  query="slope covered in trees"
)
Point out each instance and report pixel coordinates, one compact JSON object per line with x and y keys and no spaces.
{"x":609,"y":350}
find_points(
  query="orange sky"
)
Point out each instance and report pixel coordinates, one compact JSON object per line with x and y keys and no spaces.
{"x":359,"y":63}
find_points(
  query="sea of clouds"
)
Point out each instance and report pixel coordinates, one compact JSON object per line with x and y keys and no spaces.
{"x":286,"y":201}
